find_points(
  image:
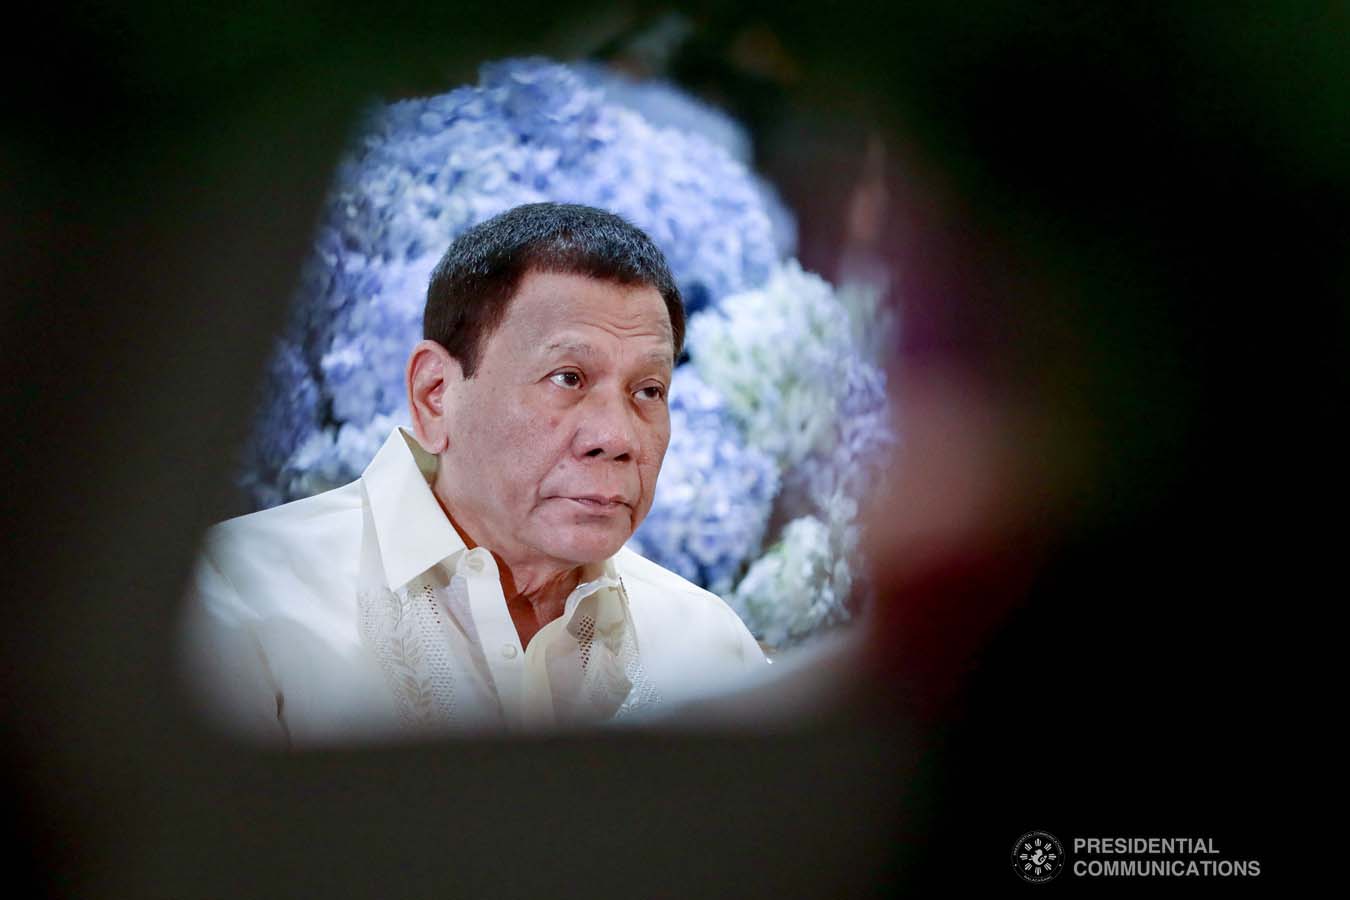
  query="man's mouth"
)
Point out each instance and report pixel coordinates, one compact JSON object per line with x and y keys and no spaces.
{"x":598,"y":503}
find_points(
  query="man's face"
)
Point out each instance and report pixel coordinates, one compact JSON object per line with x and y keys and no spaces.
{"x":556,"y":442}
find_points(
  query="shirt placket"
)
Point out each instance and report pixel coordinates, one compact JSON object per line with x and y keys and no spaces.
{"x":538,"y":710}
{"x":497,"y":634}
{"x":537,"y":687}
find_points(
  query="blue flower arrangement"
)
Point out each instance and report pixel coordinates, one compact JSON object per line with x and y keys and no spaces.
{"x":779,"y":416}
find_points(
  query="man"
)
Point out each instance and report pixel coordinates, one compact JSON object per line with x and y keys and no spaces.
{"x":475,"y":576}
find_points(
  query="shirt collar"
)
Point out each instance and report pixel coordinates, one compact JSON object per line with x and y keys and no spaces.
{"x":594,"y":577}
{"x":412,"y":530}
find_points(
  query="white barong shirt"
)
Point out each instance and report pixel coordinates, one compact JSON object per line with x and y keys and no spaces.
{"x":359,"y":614}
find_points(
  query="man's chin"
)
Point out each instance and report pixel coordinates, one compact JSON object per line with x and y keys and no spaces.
{"x":585,"y":549}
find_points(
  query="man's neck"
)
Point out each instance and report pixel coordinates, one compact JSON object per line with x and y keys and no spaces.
{"x":536,"y":594}
{"x":532,"y":609}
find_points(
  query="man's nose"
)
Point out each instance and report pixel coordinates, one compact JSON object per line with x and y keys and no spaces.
{"x":607,"y":430}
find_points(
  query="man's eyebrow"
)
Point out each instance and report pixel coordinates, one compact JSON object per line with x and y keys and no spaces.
{"x":661,"y":358}
{"x":577,"y":348}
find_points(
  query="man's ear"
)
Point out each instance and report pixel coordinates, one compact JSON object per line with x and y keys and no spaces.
{"x":429,"y":376}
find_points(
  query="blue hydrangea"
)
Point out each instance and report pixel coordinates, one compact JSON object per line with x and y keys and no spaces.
{"x":714,"y":496}
{"x":423,"y":171}
{"x":702,"y":208}
{"x":667,"y":106}
{"x":329,"y":456}
{"x":289,"y":407}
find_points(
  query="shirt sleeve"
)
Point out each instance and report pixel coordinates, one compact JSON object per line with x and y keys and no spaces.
{"x":224,"y":667}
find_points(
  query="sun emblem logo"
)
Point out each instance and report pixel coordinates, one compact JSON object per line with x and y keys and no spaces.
{"x":1037,"y":856}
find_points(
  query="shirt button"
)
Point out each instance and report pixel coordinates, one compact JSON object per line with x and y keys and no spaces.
{"x":475,"y":563}
{"x":509,"y":651}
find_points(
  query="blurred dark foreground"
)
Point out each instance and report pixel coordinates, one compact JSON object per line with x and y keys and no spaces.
{"x":1120,"y":250}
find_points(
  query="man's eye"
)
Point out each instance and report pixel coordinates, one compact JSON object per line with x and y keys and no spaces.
{"x":566,"y":379}
{"x":652,"y":392}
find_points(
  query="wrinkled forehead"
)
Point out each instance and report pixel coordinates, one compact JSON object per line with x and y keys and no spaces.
{"x":552,"y":308}
{"x":575,"y":344}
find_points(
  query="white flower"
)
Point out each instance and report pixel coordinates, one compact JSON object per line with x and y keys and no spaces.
{"x":805,"y":582}
{"x":781,"y":355}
